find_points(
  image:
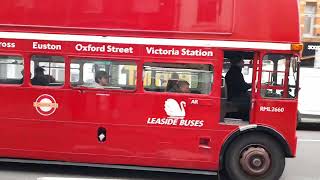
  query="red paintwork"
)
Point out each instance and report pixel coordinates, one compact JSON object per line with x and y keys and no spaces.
{"x":248,"y":20}
{"x":70,"y":133}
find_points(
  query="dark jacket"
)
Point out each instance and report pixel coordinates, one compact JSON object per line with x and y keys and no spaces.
{"x":236,"y":85}
{"x":40,"y":81}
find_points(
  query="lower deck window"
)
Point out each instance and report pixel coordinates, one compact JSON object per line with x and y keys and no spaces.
{"x":11,"y":70}
{"x":103,"y":74}
{"x":178,"y":78}
{"x":47,"y":70}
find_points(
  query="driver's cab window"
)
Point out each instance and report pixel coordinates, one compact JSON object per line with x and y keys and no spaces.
{"x":279,"y":76}
{"x":293,"y":77}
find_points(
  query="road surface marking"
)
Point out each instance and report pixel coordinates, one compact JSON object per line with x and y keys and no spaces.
{"x":309,"y":140}
{"x":61,"y":178}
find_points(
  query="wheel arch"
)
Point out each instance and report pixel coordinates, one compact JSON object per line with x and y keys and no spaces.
{"x":249,"y":129}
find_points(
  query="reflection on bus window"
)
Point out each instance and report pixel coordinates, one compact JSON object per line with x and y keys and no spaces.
{"x":178,"y":78}
{"x":107,"y":74}
{"x":247,"y":70}
{"x":293,"y":77}
{"x":11,"y":70}
{"x":275,"y":80}
{"x":47,"y":70}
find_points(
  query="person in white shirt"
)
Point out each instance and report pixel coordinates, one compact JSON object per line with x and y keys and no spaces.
{"x":101,"y":79}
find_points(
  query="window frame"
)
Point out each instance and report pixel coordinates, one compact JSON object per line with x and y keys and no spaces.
{"x":24,"y":64}
{"x":99,"y":58}
{"x":285,"y":87}
{"x":65,"y":62}
{"x":180,"y":61}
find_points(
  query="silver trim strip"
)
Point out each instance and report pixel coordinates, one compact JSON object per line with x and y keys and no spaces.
{"x":246,"y":127}
{"x":145,"y":41}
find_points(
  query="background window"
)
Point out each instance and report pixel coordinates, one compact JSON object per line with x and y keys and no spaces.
{"x":165,"y":77}
{"x":107,"y":74}
{"x":11,"y":70}
{"x":309,"y":18}
{"x":47,"y":70}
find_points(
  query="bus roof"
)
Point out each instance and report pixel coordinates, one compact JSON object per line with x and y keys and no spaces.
{"x":245,"y":20}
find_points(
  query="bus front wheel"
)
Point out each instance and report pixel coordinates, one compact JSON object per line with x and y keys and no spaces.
{"x":254,"y":156}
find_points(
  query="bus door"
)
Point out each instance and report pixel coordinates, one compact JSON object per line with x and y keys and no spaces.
{"x":179,"y":112}
{"x":276,"y":94}
{"x":105,"y":92}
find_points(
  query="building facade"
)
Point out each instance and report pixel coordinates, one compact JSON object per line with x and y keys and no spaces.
{"x":310,"y":31}
{"x":310,"y":62}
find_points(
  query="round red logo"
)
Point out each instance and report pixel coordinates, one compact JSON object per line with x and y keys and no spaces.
{"x":45,"y":105}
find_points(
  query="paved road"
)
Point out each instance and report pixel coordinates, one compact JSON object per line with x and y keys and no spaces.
{"x":304,"y":167}
{"x":33,"y":172}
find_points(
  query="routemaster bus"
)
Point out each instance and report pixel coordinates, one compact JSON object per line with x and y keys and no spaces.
{"x":141,"y":84}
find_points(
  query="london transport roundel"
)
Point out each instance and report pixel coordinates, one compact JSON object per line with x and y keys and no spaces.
{"x":45,"y":105}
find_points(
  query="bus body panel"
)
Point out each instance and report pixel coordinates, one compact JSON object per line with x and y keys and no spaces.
{"x":276,"y":21}
{"x":135,"y":121}
{"x":70,"y":134}
{"x":278,"y":115}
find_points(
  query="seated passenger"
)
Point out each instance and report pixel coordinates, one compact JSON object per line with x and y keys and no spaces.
{"x":50,"y":78}
{"x":181,"y":86}
{"x":172,"y":82}
{"x":39,"y":77}
{"x":237,"y":88}
{"x":101,"y":79}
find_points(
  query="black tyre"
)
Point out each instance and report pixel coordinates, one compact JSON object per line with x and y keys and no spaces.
{"x":298,"y":119}
{"x":255,"y":156}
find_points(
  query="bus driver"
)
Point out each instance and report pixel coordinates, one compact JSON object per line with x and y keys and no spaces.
{"x":237,"y":89}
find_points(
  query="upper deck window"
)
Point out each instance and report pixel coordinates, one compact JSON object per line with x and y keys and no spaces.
{"x":167,"y":77}
{"x":309,"y":18}
{"x":11,"y":69}
{"x":201,"y":16}
{"x":103,"y":74}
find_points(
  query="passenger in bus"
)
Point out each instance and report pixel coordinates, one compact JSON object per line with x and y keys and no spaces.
{"x":183,"y":86}
{"x":101,"y":79}
{"x":237,"y":88}
{"x":50,"y":78}
{"x":39,"y":77}
{"x":172,"y":82}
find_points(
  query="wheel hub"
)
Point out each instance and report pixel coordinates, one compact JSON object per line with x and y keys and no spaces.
{"x":255,"y":161}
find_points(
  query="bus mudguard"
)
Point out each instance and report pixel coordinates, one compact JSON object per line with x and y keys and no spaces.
{"x":255,"y":128}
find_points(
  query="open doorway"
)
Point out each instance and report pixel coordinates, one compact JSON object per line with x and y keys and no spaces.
{"x":237,"y":75}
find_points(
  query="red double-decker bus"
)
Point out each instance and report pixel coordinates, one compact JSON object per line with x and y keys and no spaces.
{"x":144,"y":84}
